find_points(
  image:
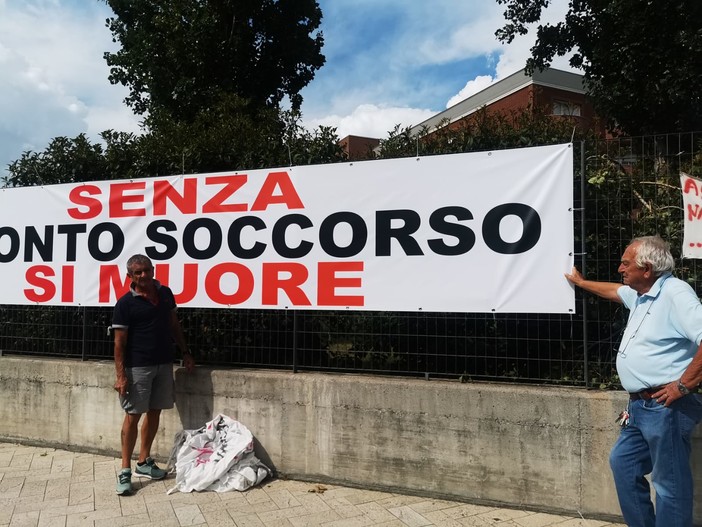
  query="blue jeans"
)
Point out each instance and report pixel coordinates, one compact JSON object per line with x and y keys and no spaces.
{"x":656,"y":441}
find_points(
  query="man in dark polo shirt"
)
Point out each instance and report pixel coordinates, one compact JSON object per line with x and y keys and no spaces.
{"x":146,"y":327}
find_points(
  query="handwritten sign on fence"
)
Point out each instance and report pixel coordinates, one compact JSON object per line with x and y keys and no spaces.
{"x":692,"y":205}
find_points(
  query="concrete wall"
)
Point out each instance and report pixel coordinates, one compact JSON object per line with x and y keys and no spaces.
{"x":530,"y":446}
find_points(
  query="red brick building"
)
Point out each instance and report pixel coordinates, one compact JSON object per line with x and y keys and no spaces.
{"x":558,"y":93}
{"x":358,"y":148}
{"x":555,"y":92}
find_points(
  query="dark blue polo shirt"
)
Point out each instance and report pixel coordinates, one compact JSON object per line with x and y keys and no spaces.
{"x":149,"y":337}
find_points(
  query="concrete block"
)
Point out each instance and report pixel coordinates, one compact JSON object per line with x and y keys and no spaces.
{"x":539,"y":447}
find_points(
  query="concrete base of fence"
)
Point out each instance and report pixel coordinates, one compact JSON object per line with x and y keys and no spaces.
{"x":535,"y":447}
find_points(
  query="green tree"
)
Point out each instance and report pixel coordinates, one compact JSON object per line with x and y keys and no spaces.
{"x":234,"y":135}
{"x":63,"y":161}
{"x":640,"y":58}
{"x":486,"y":130}
{"x":311,"y":147}
{"x":181,"y":56}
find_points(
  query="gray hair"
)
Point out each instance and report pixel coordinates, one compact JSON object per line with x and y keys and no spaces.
{"x":655,"y":251}
{"x":137,"y":259}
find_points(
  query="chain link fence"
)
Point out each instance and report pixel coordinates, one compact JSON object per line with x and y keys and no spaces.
{"x":623,"y":188}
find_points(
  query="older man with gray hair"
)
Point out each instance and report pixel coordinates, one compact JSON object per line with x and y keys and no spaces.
{"x":660,"y":364}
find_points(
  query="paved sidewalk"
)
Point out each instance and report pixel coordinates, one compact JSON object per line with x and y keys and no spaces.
{"x":56,"y":488}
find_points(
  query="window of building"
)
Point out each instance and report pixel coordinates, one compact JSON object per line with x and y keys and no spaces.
{"x":566,"y":108}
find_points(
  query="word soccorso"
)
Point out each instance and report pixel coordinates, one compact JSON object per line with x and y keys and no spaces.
{"x":106,"y":240}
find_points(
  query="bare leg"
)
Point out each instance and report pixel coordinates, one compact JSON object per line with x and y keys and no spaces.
{"x":130,"y":428}
{"x":148,"y":433}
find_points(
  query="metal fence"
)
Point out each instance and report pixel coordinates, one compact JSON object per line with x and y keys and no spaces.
{"x":623,"y":188}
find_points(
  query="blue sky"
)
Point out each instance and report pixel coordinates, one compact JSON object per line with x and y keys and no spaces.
{"x":388,"y":62}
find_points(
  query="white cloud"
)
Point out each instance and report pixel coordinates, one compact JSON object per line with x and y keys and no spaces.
{"x":471,"y":88}
{"x":30,"y":108}
{"x":114,"y":117}
{"x":367,"y":88}
{"x":54,"y":79}
{"x":369,"y":120}
{"x":473,"y":39}
{"x":391,"y":54}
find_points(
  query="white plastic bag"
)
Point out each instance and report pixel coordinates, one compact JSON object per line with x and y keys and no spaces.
{"x":219,"y":457}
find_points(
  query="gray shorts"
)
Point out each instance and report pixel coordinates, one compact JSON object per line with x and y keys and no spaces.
{"x":149,"y":388}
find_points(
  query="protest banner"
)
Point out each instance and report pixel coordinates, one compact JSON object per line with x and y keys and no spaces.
{"x":477,"y":232}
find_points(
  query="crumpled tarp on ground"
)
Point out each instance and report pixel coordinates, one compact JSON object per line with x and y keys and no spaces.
{"x":219,"y":457}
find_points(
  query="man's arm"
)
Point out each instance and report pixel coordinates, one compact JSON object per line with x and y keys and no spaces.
{"x":606,"y":290}
{"x":693,"y":374}
{"x":120,"y":350}
{"x":188,"y":360}
{"x":690,"y":379}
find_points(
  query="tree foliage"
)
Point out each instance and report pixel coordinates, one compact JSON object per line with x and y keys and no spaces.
{"x":181,"y":56}
{"x":233,"y":136}
{"x":487,"y":130}
{"x":63,"y":161}
{"x":640,"y":58}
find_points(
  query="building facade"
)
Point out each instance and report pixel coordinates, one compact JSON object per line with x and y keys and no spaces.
{"x":557,"y":93}
{"x":560,"y":94}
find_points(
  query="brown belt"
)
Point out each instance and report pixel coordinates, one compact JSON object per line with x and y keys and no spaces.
{"x":645,"y":394}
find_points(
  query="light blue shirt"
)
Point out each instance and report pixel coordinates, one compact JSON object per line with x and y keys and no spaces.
{"x":662,"y":335}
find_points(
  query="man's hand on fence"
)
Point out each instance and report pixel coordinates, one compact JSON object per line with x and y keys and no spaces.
{"x":575,"y":277}
{"x":607,"y":290}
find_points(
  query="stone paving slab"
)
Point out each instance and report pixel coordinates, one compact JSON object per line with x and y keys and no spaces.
{"x":44,"y":487}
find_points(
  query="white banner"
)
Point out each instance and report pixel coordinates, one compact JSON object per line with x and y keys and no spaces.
{"x":478,"y":232}
{"x":692,"y":206}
